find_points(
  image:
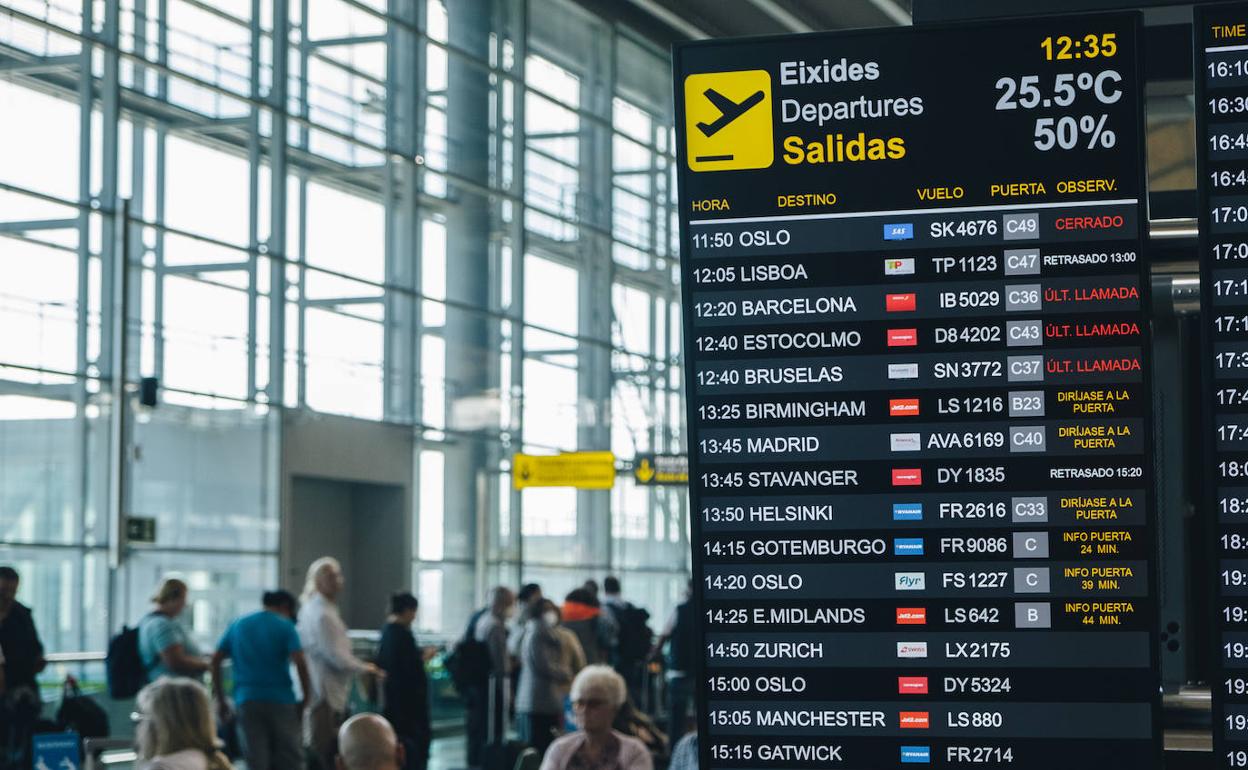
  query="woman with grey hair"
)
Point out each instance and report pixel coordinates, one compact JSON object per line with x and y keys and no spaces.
{"x":177,"y":731}
{"x":597,"y":694}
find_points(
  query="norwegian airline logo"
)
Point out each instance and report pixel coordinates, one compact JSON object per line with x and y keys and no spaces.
{"x":907,"y":477}
{"x":912,"y":685}
{"x":903,"y":338}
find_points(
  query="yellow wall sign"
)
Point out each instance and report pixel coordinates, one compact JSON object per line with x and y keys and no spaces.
{"x":582,"y":470}
{"x":652,"y":469}
{"x":728,"y":120}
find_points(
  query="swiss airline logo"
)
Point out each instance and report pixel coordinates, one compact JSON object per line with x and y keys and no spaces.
{"x":900,"y":303}
{"x":912,"y":685}
{"x":903,"y":407}
{"x":912,"y":649}
{"x":911,"y":616}
{"x":907,"y":477}
{"x":914,"y":720}
{"x":903,"y":338}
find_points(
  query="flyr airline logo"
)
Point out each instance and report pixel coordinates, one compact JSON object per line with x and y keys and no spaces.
{"x":728,"y":120}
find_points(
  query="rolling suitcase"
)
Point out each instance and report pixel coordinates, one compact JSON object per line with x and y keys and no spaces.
{"x":499,"y":752}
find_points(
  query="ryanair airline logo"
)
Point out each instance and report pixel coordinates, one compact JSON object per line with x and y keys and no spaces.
{"x":728,"y":120}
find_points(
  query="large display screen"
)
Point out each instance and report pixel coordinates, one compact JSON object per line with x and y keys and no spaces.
{"x":917,"y":379}
{"x":1222,"y":176}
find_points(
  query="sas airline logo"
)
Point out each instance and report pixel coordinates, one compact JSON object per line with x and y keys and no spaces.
{"x":914,"y":720}
{"x":900,"y":303}
{"x":903,"y":407}
{"x":912,"y":616}
{"x":903,"y":338}
{"x":912,"y":685}
{"x":907,"y":477}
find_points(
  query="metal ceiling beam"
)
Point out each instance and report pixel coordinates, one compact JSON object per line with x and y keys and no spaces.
{"x":671,"y":19}
{"x":782,"y":15}
{"x":893,"y":10}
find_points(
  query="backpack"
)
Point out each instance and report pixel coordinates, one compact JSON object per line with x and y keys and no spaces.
{"x":635,"y":635}
{"x":123,"y":666}
{"x":80,"y":714}
{"x":469,"y":662}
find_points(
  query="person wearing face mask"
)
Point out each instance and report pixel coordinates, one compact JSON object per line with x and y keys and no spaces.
{"x":571,"y":653}
{"x":544,"y":679}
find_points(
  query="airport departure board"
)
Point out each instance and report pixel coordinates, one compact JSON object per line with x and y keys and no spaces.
{"x":918,"y":395}
{"x":1221,"y":74}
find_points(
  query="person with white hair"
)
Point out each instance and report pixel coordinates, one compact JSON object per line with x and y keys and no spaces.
{"x":598,"y":692}
{"x":368,"y":742}
{"x":331,"y":664}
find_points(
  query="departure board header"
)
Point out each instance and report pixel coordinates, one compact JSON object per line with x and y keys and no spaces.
{"x":917,"y":378}
{"x":966,"y":116}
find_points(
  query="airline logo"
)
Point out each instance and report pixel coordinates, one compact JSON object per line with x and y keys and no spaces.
{"x":910,"y":581}
{"x":912,"y":649}
{"x":914,"y":720}
{"x":907,"y":546}
{"x":912,"y":685}
{"x":903,"y":338}
{"x":907,"y":477}
{"x":900,"y":303}
{"x":899,"y":232}
{"x":904,"y":442}
{"x":903,"y":371}
{"x":903,"y":407}
{"x":894,"y":266}
{"x":907,"y":511}
{"x":912,"y":616}
{"x":916,"y":755}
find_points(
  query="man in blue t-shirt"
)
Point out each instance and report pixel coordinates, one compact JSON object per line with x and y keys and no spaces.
{"x":262,"y":646}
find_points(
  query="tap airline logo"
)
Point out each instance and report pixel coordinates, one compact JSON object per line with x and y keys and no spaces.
{"x":916,"y":755}
{"x":728,"y":120}
{"x":907,"y":511}
{"x":900,"y":303}
{"x":903,"y":338}
{"x":907,"y":546}
{"x":912,"y":685}
{"x":903,"y":407}
{"x":914,"y":720}
{"x":912,"y":649}
{"x":910,"y":581}
{"x":907,"y":477}
{"x":911,"y":616}
{"x":894,"y":266}
{"x":904,"y":442}
{"x":903,"y":371}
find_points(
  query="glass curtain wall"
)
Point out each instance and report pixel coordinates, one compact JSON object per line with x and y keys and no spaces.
{"x":452,"y":216}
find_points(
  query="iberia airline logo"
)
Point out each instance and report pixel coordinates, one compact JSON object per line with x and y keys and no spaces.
{"x":728,"y":120}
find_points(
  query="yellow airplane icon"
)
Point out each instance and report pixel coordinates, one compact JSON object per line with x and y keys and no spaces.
{"x":728,"y":117}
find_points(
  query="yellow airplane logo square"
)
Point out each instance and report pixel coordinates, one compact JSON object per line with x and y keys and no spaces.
{"x":728,"y":120}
